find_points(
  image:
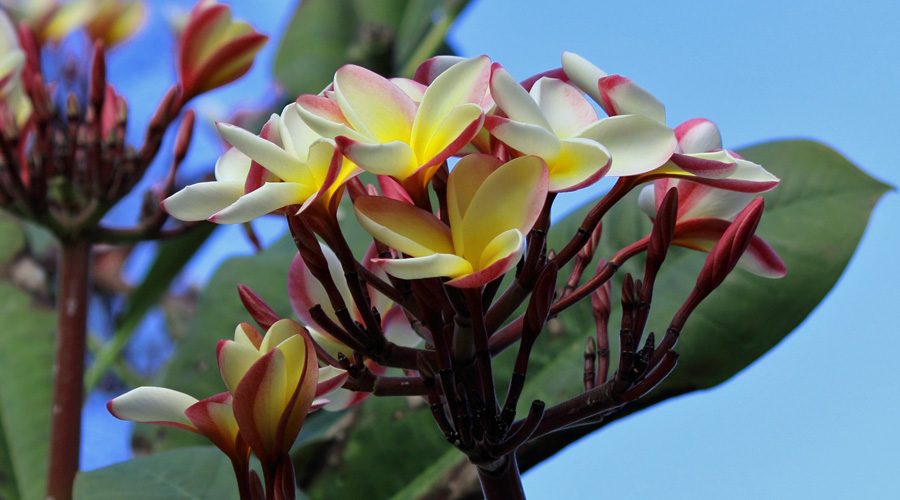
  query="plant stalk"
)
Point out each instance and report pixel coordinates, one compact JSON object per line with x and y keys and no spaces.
{"x":503,"y":481}
{"x":68,"y":367}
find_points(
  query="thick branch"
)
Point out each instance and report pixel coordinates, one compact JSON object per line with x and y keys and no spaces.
{"x":68,"y":368}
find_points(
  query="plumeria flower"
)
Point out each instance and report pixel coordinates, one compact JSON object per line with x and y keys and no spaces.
{"x":705,"y":211}
{"x":287,"y":164}
{"x":114,"y":21}
{"x":382,"y":129}
{"x":214,"y":50}
{"x":555,"y":121}
{"x":305,"y":292}
{"x":212,"y":418}
{"x":12,"y":61}
{"x":693,"y":156}
{"x":616,"y":94}
{"x":273,"y":382}
{"x":701,"y":159}
{"x":491,"y":206}
{"x":110,"y":21}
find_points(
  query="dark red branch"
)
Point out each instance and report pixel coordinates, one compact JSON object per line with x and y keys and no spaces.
{"x":68,"y":368}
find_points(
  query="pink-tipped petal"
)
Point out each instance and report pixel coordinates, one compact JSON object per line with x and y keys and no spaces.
{"x":621,"y":96}
{"x":557,"y":74}
{"x":431,"y":68}
{"x":710,"y":165}
{"x":405,"y":227}
{"x":580,"y":163}
{"x":761,"y":260}
{"x":702,"y":234}
{"x":324,"y":117}
{"x":234,"y":359}
{"x":266,"y":153}
{"x":392,"y":189}
{"x":397,"y":328}
{"x":748,"y":177}
{"x":413,"y":89}
{"x":697,"y":201}
{"x":514,"y":100}
{"x":305,"y":291}
{"x":154,"y":405}
{"x":373,"y":105}
{"x":431,"y":266}
{"x":510,"y":198}
{"x":583,"y":74}
{"x":247,"y":335}
{"x":259,"y":401}
{"x":330,"y":380}
{"x":395,"y":159}
{"x":564,"y":106}
{"x":697,"y":136}
{"x":636,"y":143}
{"x":458,"y":127}
{"x":214,"y":418}
{"x":296,"y":135}
{"x":463,"y":83}
{"x":269,"y":197}
{"x":524,"y":137}
{"x":488,"y":274}
{"x":232,"y":166}
{"x":502,"y":246}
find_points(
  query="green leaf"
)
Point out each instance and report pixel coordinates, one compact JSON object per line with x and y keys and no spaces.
{"x":424,"y":33}
{"x":814,"y":219}
{"x":171,"y":257}
{"x":390,"y":37}
{"x":186,"y":474}
{"x":12,"y":237}
{"x":315,"y":45}
{"x":26,"y":358}
{"x":390,"y":444}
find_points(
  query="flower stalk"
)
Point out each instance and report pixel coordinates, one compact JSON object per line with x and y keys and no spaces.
{"x":68,"y":367}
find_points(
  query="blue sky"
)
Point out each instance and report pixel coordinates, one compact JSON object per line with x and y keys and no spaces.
{"x":815,"y":418}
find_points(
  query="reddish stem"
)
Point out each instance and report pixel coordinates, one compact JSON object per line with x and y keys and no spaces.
{"x":68,"y":367}
{"x":502,"y":480}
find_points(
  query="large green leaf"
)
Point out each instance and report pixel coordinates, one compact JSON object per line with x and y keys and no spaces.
{"x":814,"y":220}
{"x":200,"y":473}
{"x":26,"y":358}
{"x":390,"y":37}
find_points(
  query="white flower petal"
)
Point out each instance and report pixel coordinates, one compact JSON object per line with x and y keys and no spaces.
{"x":153,"y":405}
{"x":200,"y":201}
{"x":269,"y":197}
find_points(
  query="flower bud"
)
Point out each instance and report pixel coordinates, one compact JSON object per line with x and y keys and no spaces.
{"x":214,"y":50}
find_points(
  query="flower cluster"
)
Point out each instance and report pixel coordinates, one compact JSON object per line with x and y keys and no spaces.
{"x":519,"y":143}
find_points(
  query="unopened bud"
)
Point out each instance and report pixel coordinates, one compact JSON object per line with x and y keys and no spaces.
{"x":183,"y":138}
{"x":722,"y":259}
{"x":541,"y":299}
{"x":259,"y":310}
{"x":98,"y":77}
